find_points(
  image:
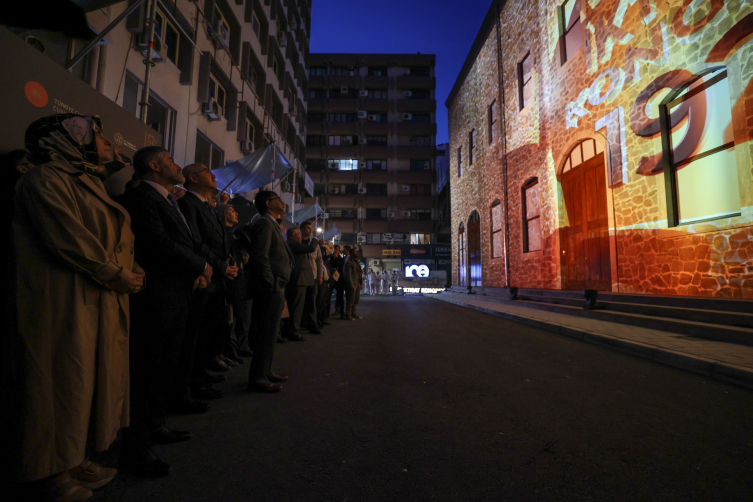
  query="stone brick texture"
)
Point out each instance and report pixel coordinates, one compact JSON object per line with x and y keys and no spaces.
{"x":632,"y":55}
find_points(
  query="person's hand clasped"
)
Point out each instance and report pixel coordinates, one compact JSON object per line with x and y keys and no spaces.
{"x":127,"y":282}
{"x":231,"y":272}
{"x":199,"y":283}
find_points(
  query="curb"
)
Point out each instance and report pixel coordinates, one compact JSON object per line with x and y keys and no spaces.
{"x":725,"y":372}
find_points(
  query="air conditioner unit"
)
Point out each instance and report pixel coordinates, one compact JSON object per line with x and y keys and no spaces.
{"x":377,"y":73}
{"x":282,"y":40}
{"x":361,"y":190}
{"x":361,"y":238}
{"x":427,"y":165}
{"x":334,"y":190}
{"x":298,"y":199}
{"x":293,"y":23}
{"x":286,"y":187}
{"x":211,"y":110}
{"x":408,"y":94}
{"x":406,"y":188}
{"x":351,"y":74}
{"x":405,"y":214}
{"x":247,"y":146}
{"x":325,"y":216}
{"x":372,"y":118}
{"x":223,"y":34}
{"x":390,"y":214}
{"x":158,"y":52}
{"x":364,"y":94}
{"x":407,"y":116}
{"x":362,"y":114}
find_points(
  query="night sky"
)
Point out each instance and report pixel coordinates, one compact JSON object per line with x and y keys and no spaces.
{"x":445,"y":28}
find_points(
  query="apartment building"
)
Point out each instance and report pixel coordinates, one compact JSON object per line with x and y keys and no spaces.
{"x":230,"y":76}
{"x":370,"y":153}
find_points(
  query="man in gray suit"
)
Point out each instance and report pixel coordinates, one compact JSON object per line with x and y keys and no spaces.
{"x":301,"y":279}
{"x":352,"y":279}
{"x":270,"y":264}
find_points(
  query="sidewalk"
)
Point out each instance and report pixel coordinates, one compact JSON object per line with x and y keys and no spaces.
{"x":723,"y":361}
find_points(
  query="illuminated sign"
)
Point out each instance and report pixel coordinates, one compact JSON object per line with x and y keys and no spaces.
{"x":390,"y":252}
{"x":420,"y":271}
{"x":430,"y":291}
{"x":417,"y":251}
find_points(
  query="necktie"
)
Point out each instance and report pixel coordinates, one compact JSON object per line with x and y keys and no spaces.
{"x":174,"y":203}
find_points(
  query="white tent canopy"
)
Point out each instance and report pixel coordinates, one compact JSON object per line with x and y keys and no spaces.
{"x":329,"y":234}
{"x":305,"y":213}
{"x":253,"y":171}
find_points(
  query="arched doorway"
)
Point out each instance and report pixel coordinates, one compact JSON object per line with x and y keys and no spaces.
{"x":474,"y":248}
{"x":461,"y":256}
{"x":585,"y":243}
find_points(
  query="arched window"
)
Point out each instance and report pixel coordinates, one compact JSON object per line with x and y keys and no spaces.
{"x":531,"y":210}
{"x":495,"y":220}
{"x":473,"y":238}
{"x":461,"y":255}
{"x":701,"y":168}
{"x":582,"y":152}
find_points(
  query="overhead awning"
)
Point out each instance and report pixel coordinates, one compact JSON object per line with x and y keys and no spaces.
{"x":305,"y":213}
{"x":253,"y":171}
{"x":330,"y":233}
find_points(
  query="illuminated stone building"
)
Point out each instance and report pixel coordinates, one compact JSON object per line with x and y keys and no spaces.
{"x":606,"y":144}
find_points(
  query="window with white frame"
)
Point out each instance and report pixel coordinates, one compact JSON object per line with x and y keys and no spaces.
{"x":169,"y":35}
{"x":498,"y":250}
{"x":217,"y":92}
{"x":525,"y":84}
{"x":249,"y":130}
{"x":208,"y":153}
{"x":343,"y":164}
{"x":571,"y":36}
{"x":159,"y":116}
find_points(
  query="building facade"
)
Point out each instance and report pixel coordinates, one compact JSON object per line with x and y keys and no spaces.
{"x":606,"y":145}
{"x":371,"y":152}
{"x":229,"y":76}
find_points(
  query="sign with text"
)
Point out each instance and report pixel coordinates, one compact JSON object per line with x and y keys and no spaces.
{"x":391,"y":252}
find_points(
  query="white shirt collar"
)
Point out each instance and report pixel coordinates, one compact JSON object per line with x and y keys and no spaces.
{"x":162,"y":190}
{"x":202,"y":199}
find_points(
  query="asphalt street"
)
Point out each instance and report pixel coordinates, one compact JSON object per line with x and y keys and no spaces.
{"x":423,"y":400}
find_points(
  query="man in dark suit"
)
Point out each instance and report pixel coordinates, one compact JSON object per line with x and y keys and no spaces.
{"x":165,"y":248}
{"x":302,"y":278}
{"x":207,"y":314}
{"x":269,"y":265}
{"x":337,"y":264}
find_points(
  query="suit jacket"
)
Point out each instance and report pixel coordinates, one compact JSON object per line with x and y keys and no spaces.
{"x":351,"y":273}
{"x":303,"y":274}
{"x":209,"y":232}
{"x":270,"y":259}
{"x":164,"y":248}
{"x":315,"y":259}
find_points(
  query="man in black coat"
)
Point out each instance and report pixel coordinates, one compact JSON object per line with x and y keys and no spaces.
{"x":207,"y":314}
{"x":165,"y":248}
{"x":270,"y":264}
{"x":302,"y":278}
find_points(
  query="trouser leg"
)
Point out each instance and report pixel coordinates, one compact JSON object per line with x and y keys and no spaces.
{"x":241,"y":325}
{"x":309,"y":319}
{"x":356,"y":299}
{"x":266,"y":312}
{"x":296,"y":297}
{"x":340,"y":299}
{"x":323,"y":300}
{"x":184,"y":370}
{"x":209,"y":332}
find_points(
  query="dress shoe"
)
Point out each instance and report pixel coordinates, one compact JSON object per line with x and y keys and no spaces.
{"x":326,"y":323}
{"x":281,"y":339}
{"x":274,"y":378}
{"x":215,"y":365}
{"x":226,"y":360}
{"x":206,"y":392}
{"x":163,"y":435}
{"x":235,"y":359}
{"x":296,"y":338}
{"x":315,"y":331}
{"x":212,"y":378}
{"x":91,"y":475}
{"x":190,"y":407}
{"x":142,"y":461}
{"x":264,"y":386}
{"x":244,"y":353}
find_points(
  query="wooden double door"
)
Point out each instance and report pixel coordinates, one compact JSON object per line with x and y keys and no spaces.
{"x":585,"y":244}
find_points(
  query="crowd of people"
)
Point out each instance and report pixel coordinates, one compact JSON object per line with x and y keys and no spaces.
{"x":124,"y":309}
{"x":380,"y":283}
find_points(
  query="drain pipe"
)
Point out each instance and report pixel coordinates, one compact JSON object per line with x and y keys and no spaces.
{"x":503,"y":143}
{"x":102,"y":68}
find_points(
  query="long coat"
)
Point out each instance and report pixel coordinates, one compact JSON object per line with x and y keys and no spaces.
{"x":69,"y":240}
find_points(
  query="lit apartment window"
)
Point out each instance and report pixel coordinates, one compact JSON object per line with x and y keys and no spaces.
{"x":492,"y":114}
{"x":531,"y":216}
{"x":496,"y":230}
{"x":376,"y":165}
{"x":420,"y":141}
{"x":317,"y":72}
{"x":420,"y":238}
{"x":470,"y":148}
{"x":703,"y":159}
{"x":420,"y":164}
{"x":208,"y":153}
{"x":217,"y":92}
{"x":571,"y":38}
{"x":460,"y":161}
{"x":525,"y":86}
{"x":343,"y":164}
{"x":169,"y":35}
{"x":343,"y":140}
{"x":378,"y":94}
{"x":376,"y":140}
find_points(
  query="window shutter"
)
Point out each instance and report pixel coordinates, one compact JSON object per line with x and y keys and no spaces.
{"x":231,"y":109}
{"x":242,"y":112}
{"x":185,"y":57}
{"x":245,"y":55}
{"x":205,"y":62}
{"x":135,"y":20}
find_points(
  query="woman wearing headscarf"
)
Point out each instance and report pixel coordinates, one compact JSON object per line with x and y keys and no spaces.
{"x":74,"y":269}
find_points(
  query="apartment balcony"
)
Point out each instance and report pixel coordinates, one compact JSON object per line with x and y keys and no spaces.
{"x":416,"y":105}
{"x":408,"y":177}
{"x":318,"y":82}
{"x":414,"y":128}
{"x":344,"y":128}
{"x":341,"y":201}
{"x":337,"y":81}
{"x":414,"y":201}
{"x":376,"y":128}
{"x":316,"y":152}
{"x":373,"y":250}
{"x":413,"y":82}
{"x":376,"y":152}
{"x":343,"y":152}
{"x":317,"y":105}
{"x":370,"y":176}
{"x":375,"y":226}
{"x":372,"y":82}
{"x":342,"y":105}
{"x":375,"y":105}
{"x":375,"y":201}
{"x":343,"y":177}
{"x":415,"y":152}
{"x":414,"y":226}
{"x":344,"y":225}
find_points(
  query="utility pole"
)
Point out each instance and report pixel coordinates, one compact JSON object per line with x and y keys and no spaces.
{"x":148,"y":61}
